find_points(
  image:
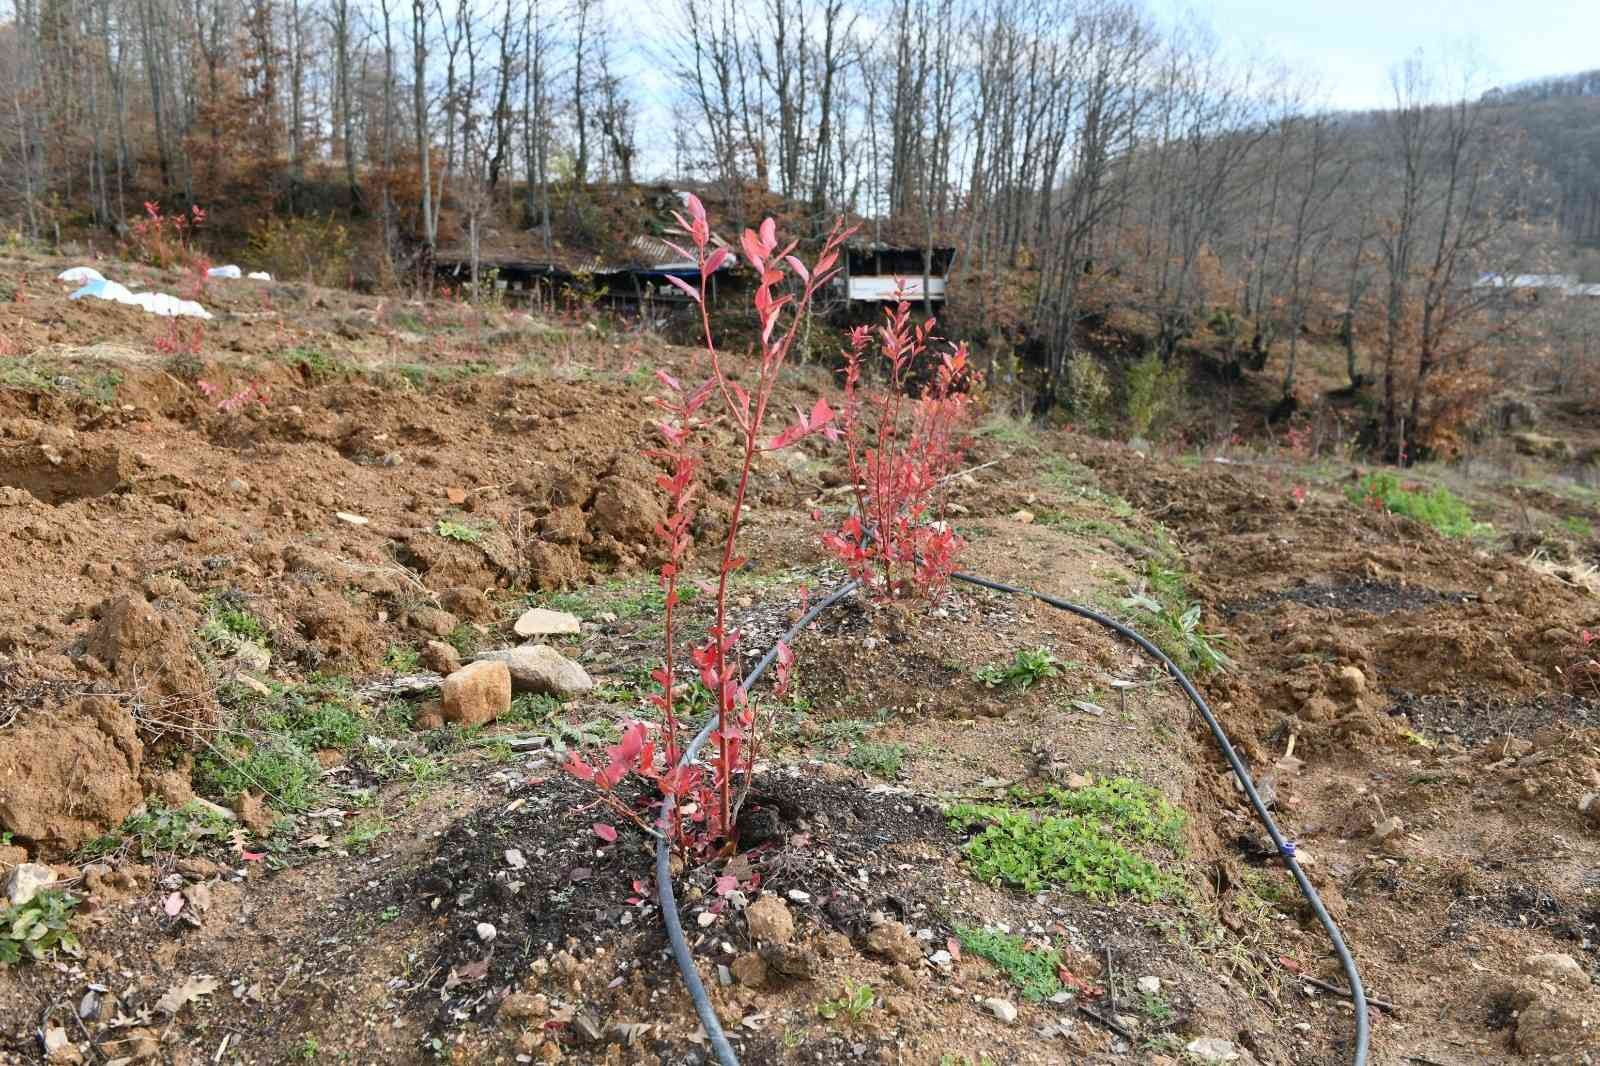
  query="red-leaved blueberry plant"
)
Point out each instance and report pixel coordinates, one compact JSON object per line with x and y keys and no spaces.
{"x":706,"y":801}
{"x":901,"y":451}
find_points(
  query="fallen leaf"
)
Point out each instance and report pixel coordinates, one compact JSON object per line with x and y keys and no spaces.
{"x":605,"y":832}
{"x":173,"y":904}
{"x":317,"y":840}
{"x":475,"y":971}
{"x":953,"y":946}
{"x":726,"y":884}
{"x":179,"y":995}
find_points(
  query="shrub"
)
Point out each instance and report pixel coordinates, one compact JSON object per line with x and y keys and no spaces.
{"x":705,"y":808}
{"x":899,"y":454}
{"x":1153,"y":390}
{"x":163,"y":240}
{"x":306,"y":248}
{"x":1088,"y":391}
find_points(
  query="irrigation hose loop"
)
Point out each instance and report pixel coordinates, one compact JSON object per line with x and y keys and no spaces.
{"x":664,"y":894}
{"x":1286,"y":848}
{"x":1358,"y":997}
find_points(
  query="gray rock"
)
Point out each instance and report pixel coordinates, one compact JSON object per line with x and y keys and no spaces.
{"x":540,"y":669}
{"x":1150,"y":985}
{"x":539,"y":622}
{"x":27,"y":881}
{"x":487,"y":932}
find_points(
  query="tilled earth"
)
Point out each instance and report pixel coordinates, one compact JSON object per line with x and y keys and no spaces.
{"x":442,"y":895}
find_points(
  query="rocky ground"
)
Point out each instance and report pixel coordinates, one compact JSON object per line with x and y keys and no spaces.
{"x":285,"y":687}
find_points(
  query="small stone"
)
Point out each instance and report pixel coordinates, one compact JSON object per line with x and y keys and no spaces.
{"x":253,"y":811}
{"x":1076,"y":781}
{"x":27,"y":881}
{"x":1149,"y":984}
{"x":798,"y":896}
{"x":769,"y":920}
{"x":540,"y":669}
{"x":524,"y":1007}
{"x":539,"y":622}
{"x":1023,"y":517}
{"x":750,"y":970}
{"x":58,"y":1047}
{"x":487,"y":932}
{"x":1563,"y":969}
{"x":476,"y":694}
{"x":706,"y":919}
{"x":1351,"y":682}
{"x":789,"y":960}
{"x":351,"y":519}
{"x":1211,"y":1049}
{"x":440,"y":657}
{"x":1589,"y":807}
{"x":259,"y":688}
{"x":1003,"y":1009}
{"x":942,"y":959}
{"x":1388,"y":827}
{"x":238,"y":486}
{"x":893,"y":940}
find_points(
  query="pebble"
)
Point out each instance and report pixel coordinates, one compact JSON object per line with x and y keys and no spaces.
{"x":1003,"y":1009}
{"x":352,"y":519}
{"x":941,"y":959}
{"x":1388,"y":827}
{"x":487,"y":932}
{"x":1212,"y":1049}
{"x":1150,"y":985}
{"x":540,"y":622}
{"x":1589,"y":807}
{"x":798,"y":896}
{"x":515,"y":859}
{"x":1563,"y":969}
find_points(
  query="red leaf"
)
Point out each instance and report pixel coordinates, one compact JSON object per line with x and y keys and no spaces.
{"x":726,"y":884}
{"x":689,"y":290}
{"x":953,"y":946}
{"x":769,"y":232}
{"x":714,"y":261}
{"x":605,"y":832}
{"x":798,"y":267}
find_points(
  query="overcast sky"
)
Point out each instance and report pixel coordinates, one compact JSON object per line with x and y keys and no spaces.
{"x":1349,"y":46}
{"x":1345,"y":48}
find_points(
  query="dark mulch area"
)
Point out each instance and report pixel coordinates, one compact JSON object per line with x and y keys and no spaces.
{"x":1474,"y":718}
{"x":1365,"y":595}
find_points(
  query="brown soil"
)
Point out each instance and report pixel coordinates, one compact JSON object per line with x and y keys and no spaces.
{"x":1417,"y":677}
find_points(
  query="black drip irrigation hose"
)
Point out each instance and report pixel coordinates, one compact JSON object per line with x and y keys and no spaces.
{"x":1286,"y":848}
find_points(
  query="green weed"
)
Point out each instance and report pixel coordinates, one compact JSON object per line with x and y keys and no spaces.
{"x":1075,"y":840}
{"x":1438,"y":507}
{"x":288,"y":774}
{"x":880,"y":760}
{"x":163,"y":830}
{"x":1033,"y":970}
{"x":1163,"y":598}
{"x":458,"y":531}
{"x":38,"y":929}
{"x":853,"y":1002}
{"x":1578,"y":526}
{"x":402,"y":659}
{"x":1027,"y":668}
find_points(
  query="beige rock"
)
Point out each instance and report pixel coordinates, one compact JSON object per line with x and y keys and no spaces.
{"x":769,"y":920}
{"x":540,"y":622}
{"x":893,"y":940}
{"x":540,"y":669}
{"x":476,"y":694}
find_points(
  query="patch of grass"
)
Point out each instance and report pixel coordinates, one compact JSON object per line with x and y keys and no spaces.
{"x":1032,"y":969}
{"x":879,"y":760}
{"x":529,"y":709}
{"x":315,"y":719}
{"x":1129,"y":540}
{"x":1073,"y":838}
{"x":312,"y":362}
{"x":228,"y":623}
{"x":1004,"y":428}
{"x":1077,"y":854}
{"x":363,"y":832}
{"x":852,"y":1003}
{"x":1124,"y":804}
{"x":289,"y":775}
{"x":1027,"y":668}
{"x":458,"y":531}
{"x":465,"y":638}
{"x":402,"y":659}
{"x":163,"y":830}
{"x":1578,"y":526}
{"x":36,"y":930}
{"x":1438,"y":507}
{"x":25,"y":374}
